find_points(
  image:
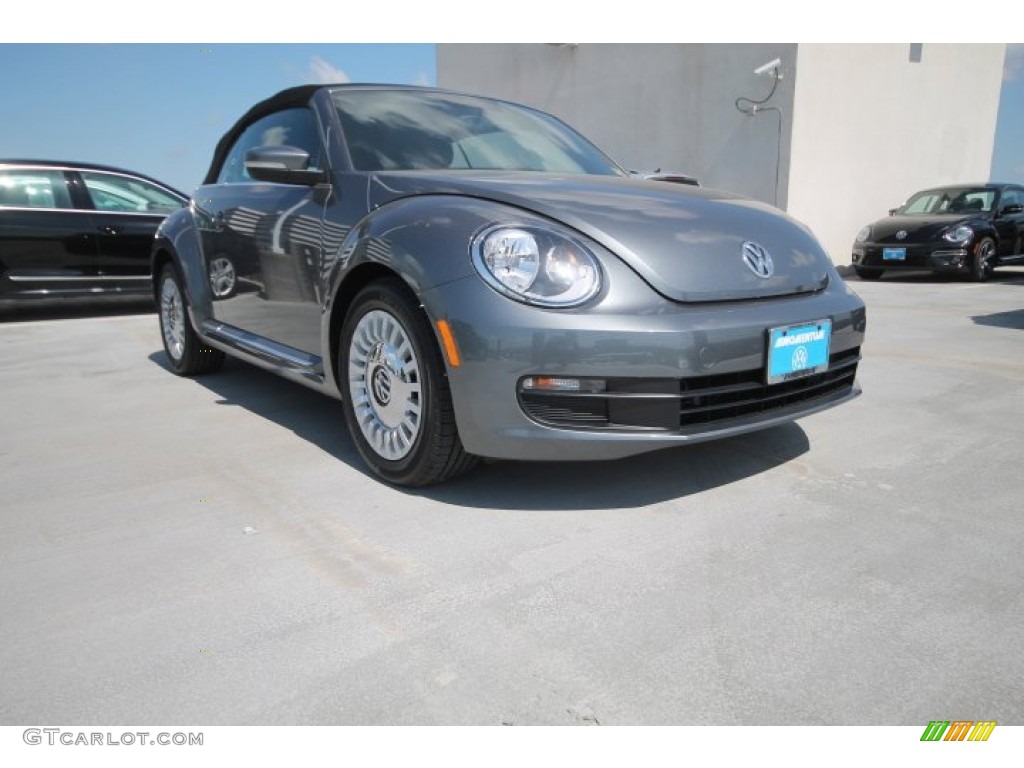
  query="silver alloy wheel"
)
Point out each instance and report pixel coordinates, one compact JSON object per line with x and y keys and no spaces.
{"x":172,"y":318}
{"x":222,"y":276}
{"x":384,"y":384}
{"x":986,"y":251}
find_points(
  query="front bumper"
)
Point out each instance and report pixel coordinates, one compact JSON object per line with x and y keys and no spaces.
{"x":939,"y":257}
{"x":675,"y":373}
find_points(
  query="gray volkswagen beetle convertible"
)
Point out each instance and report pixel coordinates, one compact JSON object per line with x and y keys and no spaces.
{"x":473,"y":278}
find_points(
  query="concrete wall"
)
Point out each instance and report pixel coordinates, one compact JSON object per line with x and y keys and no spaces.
{"x":862,"y":126}
{"x":870,"y":128}
{"x":648,"y":106}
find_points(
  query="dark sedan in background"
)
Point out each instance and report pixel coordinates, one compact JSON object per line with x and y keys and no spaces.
{"x":965,"y":229}
{"x":72,"y":230}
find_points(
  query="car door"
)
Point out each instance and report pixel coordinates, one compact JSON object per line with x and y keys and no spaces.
{"x":126,"y":211}
{"x":1009,"y":222}
{"x":47,"y":246}
{"x":262,"y":242}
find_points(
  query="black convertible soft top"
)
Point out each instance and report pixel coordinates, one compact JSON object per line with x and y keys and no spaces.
{"x":297,"y":96}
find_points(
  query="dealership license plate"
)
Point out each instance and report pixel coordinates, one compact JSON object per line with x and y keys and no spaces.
{"x":894,"y":254}
{"x":795,"y":351}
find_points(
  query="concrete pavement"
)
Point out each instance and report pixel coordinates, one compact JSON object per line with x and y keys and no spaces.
{"x":211,"y":551}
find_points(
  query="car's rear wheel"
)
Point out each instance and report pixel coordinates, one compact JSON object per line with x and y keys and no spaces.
{"x":187,"y":355}
{"x":984,"y":260}
{"x":866,"y":273}
{"x":397,"y":403}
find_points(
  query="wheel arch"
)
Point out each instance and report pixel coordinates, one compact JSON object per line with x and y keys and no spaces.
{"x":422,"y":241}
{"x":354,"y":281}
{"x":177,"y":243}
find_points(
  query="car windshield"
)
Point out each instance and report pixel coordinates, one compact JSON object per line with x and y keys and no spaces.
{"x":950,"y":200}
{"x":421,"y":130}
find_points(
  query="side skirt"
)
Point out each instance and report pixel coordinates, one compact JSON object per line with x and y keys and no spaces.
{"x":293,"y":364}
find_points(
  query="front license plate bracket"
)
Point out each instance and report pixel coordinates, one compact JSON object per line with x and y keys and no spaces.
{"x":894,"y":254}
{"x":796,"y":351}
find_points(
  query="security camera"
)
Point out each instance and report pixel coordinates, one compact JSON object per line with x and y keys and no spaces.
{"x":764,"y":69}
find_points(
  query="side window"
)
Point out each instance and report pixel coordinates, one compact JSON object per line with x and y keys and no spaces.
{"x":289,"y":127}
{"x":1011,"y":197}
{"x":34,"y":188}
{"x":113,"y":192}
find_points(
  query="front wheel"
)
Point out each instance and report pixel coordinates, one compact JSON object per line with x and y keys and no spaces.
{"x":187,"y":355}
{"x":984,"y":260}
{"x":397,"y":403}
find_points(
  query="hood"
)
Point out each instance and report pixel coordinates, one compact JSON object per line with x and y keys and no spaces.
{"x":686,"y":242}
{"x":919,"y":229}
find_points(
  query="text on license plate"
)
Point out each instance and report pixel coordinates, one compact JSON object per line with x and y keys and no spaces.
{"x":894,"y":254}
{"x":795,"y":351}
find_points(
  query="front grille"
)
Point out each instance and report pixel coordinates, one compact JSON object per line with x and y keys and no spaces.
{"x":710,"y":399}
{"x":688,"y":405}
{"x":916,"y":256}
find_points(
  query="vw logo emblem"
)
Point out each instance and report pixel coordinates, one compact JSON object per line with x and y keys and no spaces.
{"x":382,"y":386}
{"x":799,"y":360}
{"x":758,"y":259}
{"x":901,"y":235}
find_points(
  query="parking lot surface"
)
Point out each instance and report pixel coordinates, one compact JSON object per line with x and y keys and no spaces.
{"x":211,"y":551}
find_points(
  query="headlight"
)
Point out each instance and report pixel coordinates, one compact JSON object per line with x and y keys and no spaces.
{"x":536,"y":266}
{"x":863,"y":235}
{"x":959,"y":234}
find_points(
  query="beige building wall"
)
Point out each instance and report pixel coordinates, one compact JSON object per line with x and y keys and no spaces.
{"x":648,"y":106}
{"x":871,"y":127}
{"x":862,"y":127}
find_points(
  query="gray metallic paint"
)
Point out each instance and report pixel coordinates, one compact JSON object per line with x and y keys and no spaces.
{"x":669,"y":305}
{"x":684,"y":241}
{"x":627,"y":334}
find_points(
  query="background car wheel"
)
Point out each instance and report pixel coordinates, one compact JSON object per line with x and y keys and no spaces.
{"x":397,"y":403}
{"x":984,"y":260}
{"x":184,"y":351}
{"x":222,"y":278}
{"x":865,"y":273}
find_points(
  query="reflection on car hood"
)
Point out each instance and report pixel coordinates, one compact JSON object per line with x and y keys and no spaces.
{"x":918,"y":228}
{"x":685,"y":241}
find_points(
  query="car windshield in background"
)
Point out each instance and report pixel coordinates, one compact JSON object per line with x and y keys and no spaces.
{"x":950,"y":200}
{"x":412,"y":130}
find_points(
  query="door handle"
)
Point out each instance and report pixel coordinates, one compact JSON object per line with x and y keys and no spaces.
{"x":109,"y":229}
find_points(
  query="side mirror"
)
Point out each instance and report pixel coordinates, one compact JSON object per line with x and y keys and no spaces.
{"x":1011,"y":208}
{"x":281,"y":164}
{"x":892,"y":211}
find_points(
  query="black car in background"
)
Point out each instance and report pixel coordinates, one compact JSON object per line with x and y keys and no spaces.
{"x":968,"y":229}
{"x":72,"y":230}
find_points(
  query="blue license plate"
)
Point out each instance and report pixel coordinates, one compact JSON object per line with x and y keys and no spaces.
{"x":894,"y":254}
{"x":795,"y":351}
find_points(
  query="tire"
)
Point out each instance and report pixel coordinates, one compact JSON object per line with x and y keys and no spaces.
{"x":186,"y":354}
{"x":984,"y":260}
{"x":223,"y":280}
{"x":396,"y":399}
{"x":866,"y":273}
